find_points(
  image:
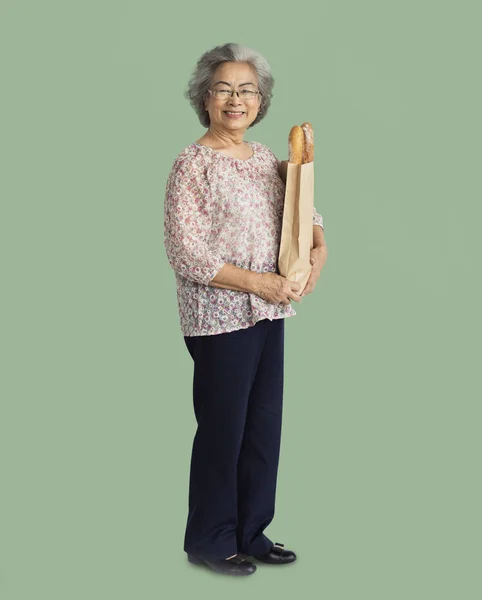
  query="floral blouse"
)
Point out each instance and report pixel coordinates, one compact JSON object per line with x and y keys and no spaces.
{"x":218,"y":210}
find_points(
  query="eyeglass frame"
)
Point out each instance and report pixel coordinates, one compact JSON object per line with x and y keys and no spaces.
{"x":258,"y":93}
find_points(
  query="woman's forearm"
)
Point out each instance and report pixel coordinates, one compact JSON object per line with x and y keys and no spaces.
{"x":234,"y":278}
{"x":318,"y":236}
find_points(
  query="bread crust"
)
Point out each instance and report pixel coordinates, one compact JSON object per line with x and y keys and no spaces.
{"x":309,"y":143}
{"x":295,"y":144}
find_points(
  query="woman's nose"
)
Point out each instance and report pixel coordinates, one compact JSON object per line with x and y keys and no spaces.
{"x":235,"y":99}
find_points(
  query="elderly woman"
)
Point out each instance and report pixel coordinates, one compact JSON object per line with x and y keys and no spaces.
{"x":222,"y":227}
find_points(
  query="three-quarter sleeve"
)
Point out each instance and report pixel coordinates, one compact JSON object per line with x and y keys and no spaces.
{"x":187,"y":225}
{"x":317,"y":218}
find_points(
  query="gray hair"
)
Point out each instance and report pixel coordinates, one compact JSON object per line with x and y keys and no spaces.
{"x":210,"y":61}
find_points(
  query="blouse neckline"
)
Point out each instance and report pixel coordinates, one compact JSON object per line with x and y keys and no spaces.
{"x":244,"y":160}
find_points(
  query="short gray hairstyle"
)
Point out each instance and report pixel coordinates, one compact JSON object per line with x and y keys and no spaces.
{"x":210,"y":61}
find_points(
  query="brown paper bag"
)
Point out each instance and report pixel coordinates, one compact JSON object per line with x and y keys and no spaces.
{"x":297,"y":228}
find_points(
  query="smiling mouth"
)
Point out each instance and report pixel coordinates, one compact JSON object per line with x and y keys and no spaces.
{"x":229,"y":112}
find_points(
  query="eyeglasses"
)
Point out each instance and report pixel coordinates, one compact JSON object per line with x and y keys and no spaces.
{"x":242,"y":94}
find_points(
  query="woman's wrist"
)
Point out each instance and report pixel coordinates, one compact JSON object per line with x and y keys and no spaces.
{"x":252,"y":281}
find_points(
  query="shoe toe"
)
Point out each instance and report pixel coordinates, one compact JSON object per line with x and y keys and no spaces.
{"x":277,"y":555}
{"x":289,"y":556}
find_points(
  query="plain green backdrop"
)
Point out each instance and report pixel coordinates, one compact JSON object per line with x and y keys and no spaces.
{"x":379,"y":482}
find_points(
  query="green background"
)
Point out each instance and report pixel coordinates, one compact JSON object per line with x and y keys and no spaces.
{"x":379,"y":483}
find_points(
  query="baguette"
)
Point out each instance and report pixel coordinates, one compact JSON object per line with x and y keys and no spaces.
{"x":309,"y":143}
{"x":295,"y":144}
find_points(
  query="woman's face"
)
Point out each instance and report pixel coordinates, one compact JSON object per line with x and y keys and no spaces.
{"x":233,"y":76}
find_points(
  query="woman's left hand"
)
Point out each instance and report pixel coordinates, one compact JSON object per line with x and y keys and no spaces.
{"x":317,"y":259}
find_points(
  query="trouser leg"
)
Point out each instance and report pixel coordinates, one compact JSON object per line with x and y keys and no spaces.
{"x":224,"y":369}
{"x":259,"y":456}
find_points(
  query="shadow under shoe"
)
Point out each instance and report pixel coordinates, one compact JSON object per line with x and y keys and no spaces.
{"x":237,"y":565}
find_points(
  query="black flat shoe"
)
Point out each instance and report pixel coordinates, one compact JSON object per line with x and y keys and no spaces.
{"x":237,"y":565}
{"x":277,"y":555}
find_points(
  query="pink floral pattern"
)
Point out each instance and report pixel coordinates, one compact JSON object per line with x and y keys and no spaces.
{"x":218,"y":210}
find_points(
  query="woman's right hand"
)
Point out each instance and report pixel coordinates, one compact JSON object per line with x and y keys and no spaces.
{"x":276,"y":289}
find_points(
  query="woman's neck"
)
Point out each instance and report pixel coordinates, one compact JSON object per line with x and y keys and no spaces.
{"x":223,"y":140}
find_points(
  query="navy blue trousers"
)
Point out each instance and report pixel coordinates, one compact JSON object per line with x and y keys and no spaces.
{"x":238,"y":398}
